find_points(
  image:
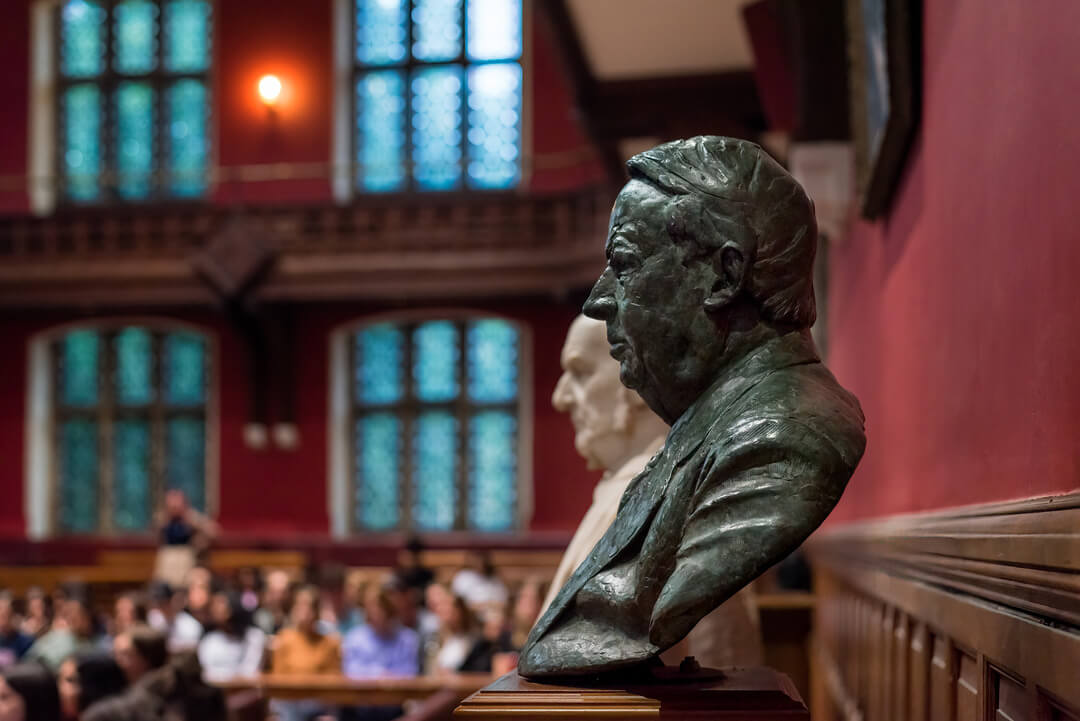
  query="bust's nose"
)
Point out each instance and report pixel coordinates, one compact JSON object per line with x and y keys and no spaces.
{"x":562,"y":398}
{"x":600,"y":304}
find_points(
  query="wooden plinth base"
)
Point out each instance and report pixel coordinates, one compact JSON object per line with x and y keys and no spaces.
{"x":751,"y":694}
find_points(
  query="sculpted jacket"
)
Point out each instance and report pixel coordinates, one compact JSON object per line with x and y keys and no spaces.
{"x":747,"y":473}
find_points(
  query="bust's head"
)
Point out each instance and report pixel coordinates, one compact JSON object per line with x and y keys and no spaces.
{"x":611,"y":422}
{"x":710,"y":252}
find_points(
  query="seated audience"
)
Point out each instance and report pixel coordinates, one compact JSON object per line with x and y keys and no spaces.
{"x":129,"y":610}
{"x":493,"y":650}
{"x":193,"y":616}
{"x":175,"y":692}
{"x":410,"y":612}
{"x":249,"y":581}
{"x":352,"y":603}
{"x":73,"y":632}
{"x":382,"y":646}
{"x":38,"y":617}
{"x":28,"y":693}
{"x":86,"y":678}
{"x":301,"y":647}
{"x":413,"y":572}
{"x":234,"y":648}
{"x":140,"y":650}
{"x":527,"y":606}
{"x":457,"y":635}
{"x":478,"y":583}
{"x":13,"y":643}
{"x":272,"y":613}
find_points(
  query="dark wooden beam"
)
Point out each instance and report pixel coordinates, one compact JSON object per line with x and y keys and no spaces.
{"x":560,"y":25}
{"x":678,"y":106}
{"x":664,"y":107}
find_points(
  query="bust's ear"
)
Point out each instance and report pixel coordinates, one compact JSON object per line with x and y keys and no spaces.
{"x":730,"y":265}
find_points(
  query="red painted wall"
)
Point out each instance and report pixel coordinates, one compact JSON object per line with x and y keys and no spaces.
{"x":14,"y":88}
{"x":954,"y":320}
{"x":275,"y":495}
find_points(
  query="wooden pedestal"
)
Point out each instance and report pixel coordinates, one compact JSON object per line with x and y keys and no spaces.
{"x":752,"y":694}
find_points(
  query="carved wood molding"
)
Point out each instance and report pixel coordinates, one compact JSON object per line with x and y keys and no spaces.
{"x":971,"y":613}
{"x":443,"y":246}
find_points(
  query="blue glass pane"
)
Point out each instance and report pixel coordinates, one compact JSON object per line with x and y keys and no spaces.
{"x":134,"y":363}
{"x":187,"y":35}
{"x":380,"y":31}
{"x":185,"y":458}
{"x":435,"y":457}
{"x":134,"y":139}
{"x":494,"y":125}
{"x":78,"y":478}
{"x":436,"y":127}
{"x":378,"y":450}
{"x":187,"y":111}
{"x":82,"y":39}
{"x":185,"y":369}
{"x":380,"y":352}
{"x":134,"y":36}
{"x":81,"y":117}
{"x":492,"y":471}
{"x":131,"y":469}
{"x":79,"y":364}
{"x":492,"y":361}
{"x":494,"y":29}
{"x":380,"y":131}
{"x":436,"y":30}
{"x":435,"y":361}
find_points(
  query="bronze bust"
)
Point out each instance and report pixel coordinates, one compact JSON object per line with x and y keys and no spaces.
{"x":708,"y":299}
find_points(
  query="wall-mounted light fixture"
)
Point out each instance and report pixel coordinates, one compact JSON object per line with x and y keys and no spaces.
{"x":269,"y":90}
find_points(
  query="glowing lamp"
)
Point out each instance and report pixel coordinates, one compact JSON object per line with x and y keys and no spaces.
{"x":269,"y":89}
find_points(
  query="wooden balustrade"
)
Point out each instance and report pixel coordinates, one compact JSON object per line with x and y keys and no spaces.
{"x":968,"y":615}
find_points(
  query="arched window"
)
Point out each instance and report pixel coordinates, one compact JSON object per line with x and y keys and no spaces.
{"x":434,"y":425}
{"x":124,"y":417}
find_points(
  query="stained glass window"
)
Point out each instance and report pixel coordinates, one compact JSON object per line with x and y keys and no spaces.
{"x":133,"y":99}
{"x":435,"y":425}
{"x":438,"y":99}
{"x":130,"y":412}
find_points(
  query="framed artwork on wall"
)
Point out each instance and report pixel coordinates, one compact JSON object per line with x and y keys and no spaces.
{"x":884,"y":49}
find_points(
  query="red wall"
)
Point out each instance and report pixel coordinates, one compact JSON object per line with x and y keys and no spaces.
{"x":278,"y":495}
{"x":954,"y":320}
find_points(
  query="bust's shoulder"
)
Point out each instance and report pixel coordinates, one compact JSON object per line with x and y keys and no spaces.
{"x":799,"y":405}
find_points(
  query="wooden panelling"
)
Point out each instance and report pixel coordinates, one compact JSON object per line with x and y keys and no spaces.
{"x":967,"y":615}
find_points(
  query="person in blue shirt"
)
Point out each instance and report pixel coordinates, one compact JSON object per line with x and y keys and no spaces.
{"x":382,"y":646}
{"x":13,"y":643}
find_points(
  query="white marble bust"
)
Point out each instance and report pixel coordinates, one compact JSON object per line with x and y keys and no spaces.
{"x":614,"y":431}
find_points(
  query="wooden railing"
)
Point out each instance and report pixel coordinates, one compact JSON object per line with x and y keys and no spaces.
{"x":418,"y":245}
{"x":971,"y":614}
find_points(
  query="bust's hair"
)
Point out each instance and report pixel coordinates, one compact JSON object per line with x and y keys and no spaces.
{"x":728,"y":189}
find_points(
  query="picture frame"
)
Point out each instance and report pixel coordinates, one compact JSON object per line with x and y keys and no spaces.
{"x":884,"y":53}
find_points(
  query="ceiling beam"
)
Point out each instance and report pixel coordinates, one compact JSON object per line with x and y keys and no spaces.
{"x":666,"y":107}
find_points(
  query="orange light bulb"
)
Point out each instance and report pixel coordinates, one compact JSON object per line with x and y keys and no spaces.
{"x":269,"y":89}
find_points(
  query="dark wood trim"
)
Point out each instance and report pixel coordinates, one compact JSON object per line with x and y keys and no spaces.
{"x":942,"y":611}
{"x":435,"y":246}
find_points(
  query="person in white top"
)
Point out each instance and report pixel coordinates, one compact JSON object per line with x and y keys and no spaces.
{"x":234,"y":649}
{"x":616,"y":431}
{"x":478,"y":583}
